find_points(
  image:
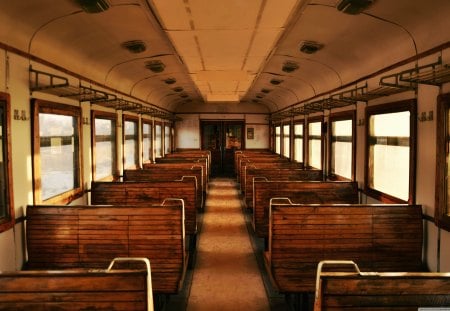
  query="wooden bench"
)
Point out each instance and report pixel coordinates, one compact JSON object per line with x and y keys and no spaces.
{"x":308,"y":192}
{"x":193,"y":160}
{"x":154,"y":173}
{"x":246,"y":179}
{"x":150,"y":192}
{"x":238,"y":154}
{"x":65,"y":237}
{"x":101,"y":289}
{"x":381,"y":237}
{"x":380,"y":290}
{"x":276,"y":174}
{"x":274,"y":159}
{"x":192,"y":153}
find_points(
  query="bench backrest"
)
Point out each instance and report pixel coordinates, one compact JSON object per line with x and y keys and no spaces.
{"x":149,"y":192}
{"x":382,"y":291}
{"x":156,"y":173}
{"x":203,"y":162}
{"x":243,"y":161}
{"x":61,"y":237}
{"x":277,"y":174}
{"x":377,"y":237}
{"x":308,"y":192}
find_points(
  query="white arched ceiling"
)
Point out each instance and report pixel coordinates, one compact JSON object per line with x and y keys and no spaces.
{"x":223,"y":51}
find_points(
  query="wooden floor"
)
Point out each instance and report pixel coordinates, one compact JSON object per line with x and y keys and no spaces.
{"x":228,"y":272}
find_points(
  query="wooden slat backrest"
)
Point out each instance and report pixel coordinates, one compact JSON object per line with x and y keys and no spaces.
{"x":155,"y":173}
{"x":308,"y":192}
{"x":376,"y":237}
{"x":89,"y":236}
{"x":73,"y":290}
{"x":247,"y":173}
{"x":149,"y":192}
{"x":193,"y":154}
{"x":238,"y":154}
{"x":270,"y":158}
{"x":382,"y":291}
{"x":192,"y":161}
{"x":276,"y":174}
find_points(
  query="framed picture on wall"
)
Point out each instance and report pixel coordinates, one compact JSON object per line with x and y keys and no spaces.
{"x":250,"y":133}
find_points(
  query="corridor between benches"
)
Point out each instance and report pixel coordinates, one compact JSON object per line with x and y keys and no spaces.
{"x":226,"y":275}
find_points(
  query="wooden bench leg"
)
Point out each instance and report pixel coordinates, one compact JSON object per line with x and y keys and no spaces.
{"x":192,"y":247}
{"x":300,"y":301}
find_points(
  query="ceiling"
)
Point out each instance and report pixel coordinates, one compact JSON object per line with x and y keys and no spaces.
{"x":229,"y":51}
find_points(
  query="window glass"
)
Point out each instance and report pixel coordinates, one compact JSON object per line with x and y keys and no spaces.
{"x":105,"y":147}
{"x":147,"y":142}
{"x":286,"y":140}
{"x":158,"y":141}
{"x":167,"y":141}
{"x":131,"y":144}
{"x":278,"y":139}
{"x":6,"y":205}
{"x":298,"y":142}
{"x":315,"y":144}
{"x":57,"y":156}
{"x":342,"y":148}
{"x":390,"y":153}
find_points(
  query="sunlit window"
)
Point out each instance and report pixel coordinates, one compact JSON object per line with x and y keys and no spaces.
{"x":390,"y":151}
{"x":131,"y":146}
{"x":286,"y":140}
{"x":6,"y":202}
{"x":167,"y":139}
{"x":104,"y":149}
{"x":158,"y":140}
{"x":278,"y":139}
{"x":443,"y":162}
{"x":315,"y":144}
{"x":341,"y":153}
{"x":56,"y":152}
{"x":147,"y":141}
{"x":298,"y":142}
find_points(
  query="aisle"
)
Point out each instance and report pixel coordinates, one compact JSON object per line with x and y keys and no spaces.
{"x":226,"y":275}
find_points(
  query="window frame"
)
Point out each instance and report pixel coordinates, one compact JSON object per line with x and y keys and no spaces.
{"x":9,"y":220}
{"x":161,"y":138}
{"x":343,"y":116}
{"x":442,"y":212}
{"x":393,"y":107}
{"x":44,"y":106}
{"x":150,"y":124}
{"x":129,"y":118}
{"x":96,"y":114}
{"x":306,"y":152}
{"x":283,"y":140}
{"x":302,"y":123}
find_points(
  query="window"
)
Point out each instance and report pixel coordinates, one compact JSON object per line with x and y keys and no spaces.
{"x":147,"y":141}
{"x":131,"y":146}
{"x":442,"y":214}
{"x":6,"y":195}
{"x":342,"y":145}
{"x":167,"y":139}
{"x":104,"y":151}
{"x":315,"y":144}
{"x":278,"y":139}
{"x":286,"y":140}
{"x":298,"y":142}
{"x":57,"y":156}
{"x":391,"y":147}
{"x":158,"y":140}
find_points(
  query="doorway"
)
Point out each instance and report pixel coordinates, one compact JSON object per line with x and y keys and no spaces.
{"x":222,"y":138}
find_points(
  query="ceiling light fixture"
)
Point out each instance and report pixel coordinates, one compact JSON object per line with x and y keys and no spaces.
{"x":353,"y":7}
{"x":265,"y":91}
{"x":289,"y":66}
{"x":93,"y":6}
{"x":276,"y":81}
{"x":178,"y":89}
{"x":134,"y":46}
{"x":155,"y":66}
{"x":310,"y":47}
{"x":170,"y":80}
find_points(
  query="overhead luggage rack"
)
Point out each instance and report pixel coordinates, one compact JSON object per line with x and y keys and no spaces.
{"x":59,"y":86}
{"x":49,"y":83}
{"x":431,"y":74}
